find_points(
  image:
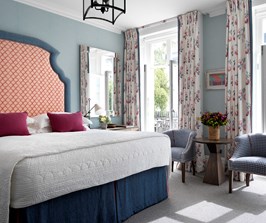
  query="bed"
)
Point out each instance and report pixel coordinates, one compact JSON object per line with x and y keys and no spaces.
{"x":81,"y":176}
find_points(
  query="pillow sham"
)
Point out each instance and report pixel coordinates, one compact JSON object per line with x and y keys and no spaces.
{"x":66,"y":122}
{"x":86,"y":121}
{"x":13,"y":124}
{"x":41,"y":121}
{"x":31,"y":125}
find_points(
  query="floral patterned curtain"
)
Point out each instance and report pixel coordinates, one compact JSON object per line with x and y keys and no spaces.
{"x":238,"y":69}
{"x":131,"y":78}
{"x":117,"y":102}
{"x":238,"y":72}
{"x":190,"y":94}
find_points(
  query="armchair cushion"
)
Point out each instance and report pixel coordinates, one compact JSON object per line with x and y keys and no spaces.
{"x":249,"y":164}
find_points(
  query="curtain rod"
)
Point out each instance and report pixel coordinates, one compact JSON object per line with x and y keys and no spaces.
{"x":157,"y":23}
{"x":164,"y":21}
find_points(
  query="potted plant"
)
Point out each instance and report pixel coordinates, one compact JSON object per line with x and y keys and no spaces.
{"x":214,"y":120}
{"x":104,"y":120}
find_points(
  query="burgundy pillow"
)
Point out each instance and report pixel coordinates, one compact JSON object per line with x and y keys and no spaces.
{"x":13,"y":124}
{"x":66,"y":122}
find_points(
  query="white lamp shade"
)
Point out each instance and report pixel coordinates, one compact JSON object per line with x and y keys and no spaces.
{"x":98,"y":109}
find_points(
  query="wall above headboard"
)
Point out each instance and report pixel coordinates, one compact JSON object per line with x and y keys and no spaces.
{"x":62,"y":33}
{"x":30,"y":79}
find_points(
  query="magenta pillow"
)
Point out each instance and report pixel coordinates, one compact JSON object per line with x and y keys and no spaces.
{"x":13,"y":124}
{"x":66,"y":122}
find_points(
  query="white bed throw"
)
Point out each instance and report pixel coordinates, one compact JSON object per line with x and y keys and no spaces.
{"x":104,"y":156}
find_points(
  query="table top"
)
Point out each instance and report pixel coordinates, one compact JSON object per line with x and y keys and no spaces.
{"x":211,"y":141}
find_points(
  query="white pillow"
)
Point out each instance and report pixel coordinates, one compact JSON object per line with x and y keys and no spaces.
{"x":41,"y":121}
{"x":86,"y":121}
{"x":31,"y":125}
{"x":30,"y":121}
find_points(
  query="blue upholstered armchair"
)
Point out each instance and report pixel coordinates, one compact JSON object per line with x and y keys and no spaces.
{"x":249,"y":157}
{"x":182,"y":147}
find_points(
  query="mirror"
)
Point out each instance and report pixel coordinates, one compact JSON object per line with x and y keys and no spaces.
{"x":99,"y":81}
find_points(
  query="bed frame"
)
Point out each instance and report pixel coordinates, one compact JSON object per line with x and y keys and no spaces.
{"x":31,"y":81}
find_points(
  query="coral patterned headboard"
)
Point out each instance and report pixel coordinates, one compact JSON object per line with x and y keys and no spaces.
{"x":29,"y":77}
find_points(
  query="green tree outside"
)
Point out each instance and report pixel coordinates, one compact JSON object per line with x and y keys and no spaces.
{"x":161,"y":90}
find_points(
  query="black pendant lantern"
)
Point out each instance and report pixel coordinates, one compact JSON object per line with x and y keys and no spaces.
{"x":104,"y":10}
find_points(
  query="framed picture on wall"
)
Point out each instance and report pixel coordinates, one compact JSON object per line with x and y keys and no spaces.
{"x":215,"y":79}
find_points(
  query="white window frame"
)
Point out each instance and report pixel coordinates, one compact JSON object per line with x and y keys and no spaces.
{"x":259,"y":88}
{"x":146,"y":41}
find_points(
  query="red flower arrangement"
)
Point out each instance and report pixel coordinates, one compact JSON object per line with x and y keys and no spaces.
{"x":214,"y":119}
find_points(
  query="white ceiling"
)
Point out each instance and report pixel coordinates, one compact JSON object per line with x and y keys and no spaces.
{"x":138,"y":12}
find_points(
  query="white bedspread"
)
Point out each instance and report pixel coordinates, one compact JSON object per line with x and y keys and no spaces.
{"x":44,"y":166}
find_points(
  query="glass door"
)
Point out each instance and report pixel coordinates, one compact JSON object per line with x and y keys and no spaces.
{"x":258,"y":76}
{"x":159,"y":91}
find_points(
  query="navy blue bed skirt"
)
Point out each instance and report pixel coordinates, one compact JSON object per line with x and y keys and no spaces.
{"x":110,"y":203}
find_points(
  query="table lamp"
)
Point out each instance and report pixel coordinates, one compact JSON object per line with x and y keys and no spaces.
{"x":96,"y":107}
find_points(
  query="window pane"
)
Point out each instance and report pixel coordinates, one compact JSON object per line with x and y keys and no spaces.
{"x":160,"y":54}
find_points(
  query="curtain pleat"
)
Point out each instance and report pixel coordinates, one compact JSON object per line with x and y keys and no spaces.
{"x":190,"y":94}
{"x":238,"y":69}
{"x":117,"y":102}
{"x":83,"y":78}
{"x":131,"y":78}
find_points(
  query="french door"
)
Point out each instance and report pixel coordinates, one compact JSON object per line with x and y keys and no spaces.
{"x":159,"y":90}
{"x":259,"y":68}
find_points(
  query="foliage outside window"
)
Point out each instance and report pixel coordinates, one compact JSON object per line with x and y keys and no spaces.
{"x":161,"y":90}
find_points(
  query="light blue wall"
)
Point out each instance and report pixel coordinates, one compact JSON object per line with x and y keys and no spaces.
{"x":62,"y":33}
{"x":214,"y":35}
{"x":65,"y":35}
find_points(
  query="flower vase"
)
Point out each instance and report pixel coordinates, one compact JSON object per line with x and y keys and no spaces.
{"x":103,"y":125}
{"x":214,"y":133}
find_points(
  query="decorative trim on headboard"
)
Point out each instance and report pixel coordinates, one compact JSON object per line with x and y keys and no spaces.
{"x":53,"y":54}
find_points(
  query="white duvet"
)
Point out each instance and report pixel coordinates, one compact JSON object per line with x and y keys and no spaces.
{"x":43,"y":166}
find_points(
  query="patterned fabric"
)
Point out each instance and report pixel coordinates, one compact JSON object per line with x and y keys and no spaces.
{"x":117,"y":102}
{"x":238,"y":69}
{"x":250,"y":154}
{"x":250,"y":164}
{"x":27,"y":80}
{"x":131,"y":78}
{"x":258,"y":144}
{"x":83,"y":80}
{"x":182,"y":145}
{"x":189,"y":79}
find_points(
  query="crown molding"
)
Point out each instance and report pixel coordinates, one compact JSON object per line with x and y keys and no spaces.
{"x":72,"y":15}
{"x":216,"y":11}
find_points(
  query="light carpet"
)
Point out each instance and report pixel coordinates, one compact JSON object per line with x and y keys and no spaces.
{"x":197,"y":202}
